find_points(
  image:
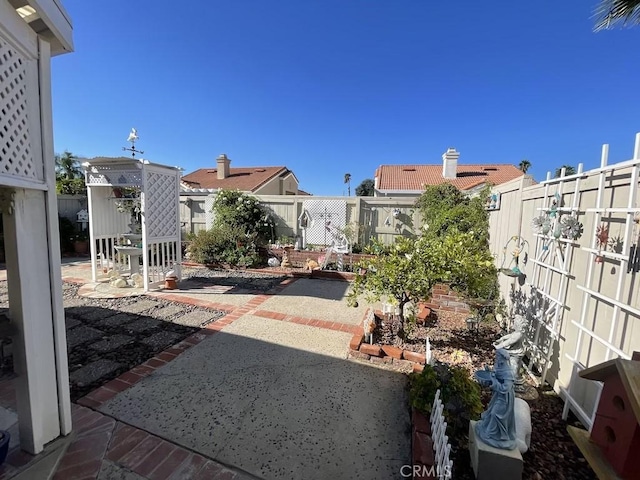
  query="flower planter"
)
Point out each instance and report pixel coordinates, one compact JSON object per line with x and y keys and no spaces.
{"x":170,"y":283}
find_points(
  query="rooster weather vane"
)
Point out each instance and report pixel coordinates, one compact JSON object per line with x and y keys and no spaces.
{"x":133,"y":138}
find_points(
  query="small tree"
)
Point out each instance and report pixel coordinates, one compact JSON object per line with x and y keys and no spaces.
{"x":408,"y":272}
{"x":366,"y":188}
{"x":453,"y":249}
{"x":237,"y":209}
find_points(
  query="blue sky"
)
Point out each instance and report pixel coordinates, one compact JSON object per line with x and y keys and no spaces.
{"x":327,"y":87}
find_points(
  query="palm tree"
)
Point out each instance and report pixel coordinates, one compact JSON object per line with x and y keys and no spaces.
{"x":568,"y":170}
{"x":347,"y":180}
{"x":67,"y":166}
{"x":524,"y":165}
{"x":611,"y":12}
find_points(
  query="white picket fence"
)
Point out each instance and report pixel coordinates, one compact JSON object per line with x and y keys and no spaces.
{"x":441,"y":445}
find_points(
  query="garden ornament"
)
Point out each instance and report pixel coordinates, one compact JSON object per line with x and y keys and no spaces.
{"x":497,"y":425}
{"x":513,"y":343}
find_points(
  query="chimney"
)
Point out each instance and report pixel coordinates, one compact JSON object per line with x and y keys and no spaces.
{"x":223,"y":166}
{"x":450,"y":163}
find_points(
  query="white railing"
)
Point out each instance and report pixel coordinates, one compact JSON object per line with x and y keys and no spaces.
{"x":107,"y":258}
{"x":162,"y":257}
{"x":441,"y":445}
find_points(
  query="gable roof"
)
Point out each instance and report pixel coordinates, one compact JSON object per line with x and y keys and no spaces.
{"x":246,"y":179}
{"x":629,"y":373}
{"x":410,"y":178}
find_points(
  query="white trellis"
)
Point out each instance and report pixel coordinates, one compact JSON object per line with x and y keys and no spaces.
{"x":323,"y":213}
{"x":593,"y":296}
{"x":441,"y":445}
{"x":160,"y":246}
{"x":551,"y":272}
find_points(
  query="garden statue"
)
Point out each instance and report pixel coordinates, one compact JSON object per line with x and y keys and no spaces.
{"x":514,"y":343}
{"x":497,"y":425}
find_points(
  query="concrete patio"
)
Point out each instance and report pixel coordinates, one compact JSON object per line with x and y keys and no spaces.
{"x":265,"y":392}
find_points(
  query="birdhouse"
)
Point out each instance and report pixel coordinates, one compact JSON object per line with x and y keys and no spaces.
{"x":82,"y":217}
{"x":616,"y":428}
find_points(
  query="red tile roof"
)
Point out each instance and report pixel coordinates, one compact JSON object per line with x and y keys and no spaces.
{"x":246,"y":179}
{"x":416,"y":177}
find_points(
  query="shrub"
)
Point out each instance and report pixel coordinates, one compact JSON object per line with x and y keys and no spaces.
{"x":224,"y":244}
{"x":233,"y":208}
{"x":459,"y":393}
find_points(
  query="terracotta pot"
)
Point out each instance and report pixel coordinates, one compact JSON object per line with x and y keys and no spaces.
{"x":170,"y":283}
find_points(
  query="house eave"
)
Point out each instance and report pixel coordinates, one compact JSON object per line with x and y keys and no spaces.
{"x":50,"y":21}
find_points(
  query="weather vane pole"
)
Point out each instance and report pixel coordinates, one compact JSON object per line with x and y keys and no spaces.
{"x":133,"y":137}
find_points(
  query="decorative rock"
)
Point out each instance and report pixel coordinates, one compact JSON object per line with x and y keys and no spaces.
{"x":138,"y":280}
{"x":119,"y":283}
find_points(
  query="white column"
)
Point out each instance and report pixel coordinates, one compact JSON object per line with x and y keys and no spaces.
{"x":31,"y":309}
{"x":55,"y":274}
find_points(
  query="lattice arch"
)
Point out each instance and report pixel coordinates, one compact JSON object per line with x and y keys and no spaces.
{"x":160,"y":242}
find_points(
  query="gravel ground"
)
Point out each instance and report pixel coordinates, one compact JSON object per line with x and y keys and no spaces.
{"x":239,"y":278}
{"x":552,"y":453}
{"x":107,"y":337}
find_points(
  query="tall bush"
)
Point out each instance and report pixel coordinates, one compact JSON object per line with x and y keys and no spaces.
{"x":241,"y":225}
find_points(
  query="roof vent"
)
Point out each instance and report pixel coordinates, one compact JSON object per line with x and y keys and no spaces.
{"x":260,"y":170}
{"x":409,"y":169}
{"x":490,"y":169}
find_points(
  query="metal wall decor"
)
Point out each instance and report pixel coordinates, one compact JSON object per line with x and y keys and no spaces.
{"x":518,"y":257}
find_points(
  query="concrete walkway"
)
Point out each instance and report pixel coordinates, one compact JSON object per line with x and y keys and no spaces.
{"x":265,"y":392}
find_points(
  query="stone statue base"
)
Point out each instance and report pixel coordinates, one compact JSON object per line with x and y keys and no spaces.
{"x":491,"y":463}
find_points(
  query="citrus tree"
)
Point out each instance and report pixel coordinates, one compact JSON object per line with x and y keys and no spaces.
{"x":452,"y":249}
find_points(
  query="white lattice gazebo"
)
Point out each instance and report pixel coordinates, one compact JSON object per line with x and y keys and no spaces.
{"x":159,"y":241}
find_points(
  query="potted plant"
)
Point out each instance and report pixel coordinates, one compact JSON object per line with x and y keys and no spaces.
{"x":81,"y":243}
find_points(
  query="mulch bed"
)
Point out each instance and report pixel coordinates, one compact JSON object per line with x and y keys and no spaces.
{"x":552,"y":453}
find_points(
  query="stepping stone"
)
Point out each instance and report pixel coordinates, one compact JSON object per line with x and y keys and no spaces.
{"x":116,"y":320}
{"x":112,"y":343}
{"x":93,"y":371}
{"x":168,"y":311}
{"x":80,"y":311}
{"x":139,"y":306}
{"x":82,"y":334}
{"x":71,"y":322}
{"x":143,"y":325}
{"x":98,"y":313}
{"x":162,"y":339}
{"x":197,"y":318}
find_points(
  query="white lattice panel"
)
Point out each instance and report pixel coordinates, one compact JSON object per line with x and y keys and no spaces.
{"x":161,"y":205}
{"x":322,"y":213}
{"x":121,"y":178}
{"x":16,"y":151}
{"x":208,"y":211}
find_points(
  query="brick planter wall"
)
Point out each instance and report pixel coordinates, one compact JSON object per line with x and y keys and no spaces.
{"x":299,"y":258}
{"x":443,"y":298}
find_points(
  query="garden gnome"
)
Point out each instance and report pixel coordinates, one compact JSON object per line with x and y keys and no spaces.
{"x":513,"y":343}
{"x":497,"y":425}
{"x":285,"y":258}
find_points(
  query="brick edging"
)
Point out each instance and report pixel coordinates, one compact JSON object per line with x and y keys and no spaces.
{"x":422,"y":452}
{"x":385,"y":354}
